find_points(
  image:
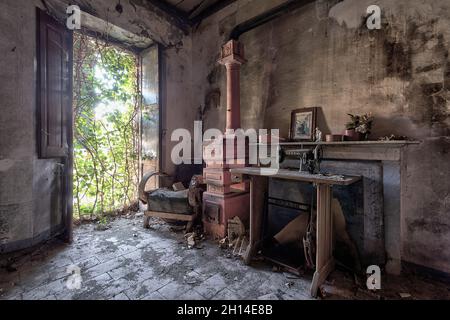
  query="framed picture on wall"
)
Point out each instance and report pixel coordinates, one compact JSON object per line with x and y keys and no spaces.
{"x":303,"y":124}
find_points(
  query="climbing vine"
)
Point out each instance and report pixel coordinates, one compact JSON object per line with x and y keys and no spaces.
{"x":106,"y":117}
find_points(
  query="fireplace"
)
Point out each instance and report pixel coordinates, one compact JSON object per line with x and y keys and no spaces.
{"x":372,"y":207}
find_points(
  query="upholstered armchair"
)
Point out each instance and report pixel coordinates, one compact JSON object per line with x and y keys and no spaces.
{"x":173,"y":206}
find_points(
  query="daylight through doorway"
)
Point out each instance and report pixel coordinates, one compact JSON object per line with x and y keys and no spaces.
{"x":106,"y":127}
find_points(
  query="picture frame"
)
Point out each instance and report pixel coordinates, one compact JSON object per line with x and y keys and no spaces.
{"x":303,"y":124}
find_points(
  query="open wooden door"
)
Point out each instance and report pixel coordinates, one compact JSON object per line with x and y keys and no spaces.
{"x":151,"y":119}
{"x":55,"y":114}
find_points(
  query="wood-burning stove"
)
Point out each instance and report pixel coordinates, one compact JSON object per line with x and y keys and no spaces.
{"x":222,"y":201}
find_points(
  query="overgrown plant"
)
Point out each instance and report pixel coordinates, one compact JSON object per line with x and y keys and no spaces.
{"x":106,"y":117}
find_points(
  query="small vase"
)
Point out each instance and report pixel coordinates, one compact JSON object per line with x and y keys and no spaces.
{"x":352,"y":135}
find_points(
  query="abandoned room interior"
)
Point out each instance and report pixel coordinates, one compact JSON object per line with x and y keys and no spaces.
{"x":224,"y":150}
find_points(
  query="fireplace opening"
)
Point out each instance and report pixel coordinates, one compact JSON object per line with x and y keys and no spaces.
{"x":284,"y":232}
{"x":289,"y":226}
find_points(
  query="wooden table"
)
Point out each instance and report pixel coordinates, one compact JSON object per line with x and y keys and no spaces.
{"x":258,"y":191}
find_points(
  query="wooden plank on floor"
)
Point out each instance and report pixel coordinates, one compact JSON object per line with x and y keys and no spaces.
{"x":170,"y":216}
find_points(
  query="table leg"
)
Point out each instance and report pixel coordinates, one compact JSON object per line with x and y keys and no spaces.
{"x":258,"y":190}
{"x":324,"y":245}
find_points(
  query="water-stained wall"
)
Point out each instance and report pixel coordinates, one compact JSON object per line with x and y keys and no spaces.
{"x":324,"y":55}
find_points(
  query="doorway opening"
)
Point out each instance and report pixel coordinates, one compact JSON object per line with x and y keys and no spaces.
{"x":107,"y":113}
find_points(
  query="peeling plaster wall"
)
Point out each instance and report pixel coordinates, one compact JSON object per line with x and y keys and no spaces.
{"x":323,"y":55}
{"x":18,"y":160}
{"x":29,"y":191}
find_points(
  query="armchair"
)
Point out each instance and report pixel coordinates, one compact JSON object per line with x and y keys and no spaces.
{"x":169,"y":205}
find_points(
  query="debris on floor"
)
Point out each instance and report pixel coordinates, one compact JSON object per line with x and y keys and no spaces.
{"x":102,"y":226}
{"x":193,"y":239}
{"x":240,"y":246}
{"x":157,"y":256}
{"x":236,"y":240}
{"x":289,"y":284}
{"x":223,"y":244}
{"x":236,"y":228}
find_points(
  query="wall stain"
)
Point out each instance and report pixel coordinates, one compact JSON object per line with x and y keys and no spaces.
{"x":398,"y":60}
{"x":432,"y":226}
{"x":214,"y":75}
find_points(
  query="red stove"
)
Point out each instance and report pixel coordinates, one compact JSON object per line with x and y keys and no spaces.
{"x":226,"y":196}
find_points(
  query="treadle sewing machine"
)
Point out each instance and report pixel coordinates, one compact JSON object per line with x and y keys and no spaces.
{"x":300,"y":165}
{"x":309,"y":158}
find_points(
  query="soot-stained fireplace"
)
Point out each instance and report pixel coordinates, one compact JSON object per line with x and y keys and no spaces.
{"x":361,"y":205}
{"x":372,"y":207}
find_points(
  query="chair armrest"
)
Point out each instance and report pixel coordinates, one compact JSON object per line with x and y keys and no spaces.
{"x":143,"y":183}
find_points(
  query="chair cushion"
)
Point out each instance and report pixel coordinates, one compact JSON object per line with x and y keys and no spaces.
{"x":165,"y":200}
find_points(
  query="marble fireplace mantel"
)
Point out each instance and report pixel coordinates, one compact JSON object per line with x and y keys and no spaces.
{"x":357,"y":150}
{"x":363,"y":157}
{"x":387,"y":143}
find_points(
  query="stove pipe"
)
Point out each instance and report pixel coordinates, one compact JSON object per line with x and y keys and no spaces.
{"x":232,"y":57}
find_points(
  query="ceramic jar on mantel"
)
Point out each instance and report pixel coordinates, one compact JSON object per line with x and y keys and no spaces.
{"x":352,"y":135}
{"x":334,"y":138}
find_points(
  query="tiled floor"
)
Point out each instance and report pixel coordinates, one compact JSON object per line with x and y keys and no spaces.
{"x":129,"y":262}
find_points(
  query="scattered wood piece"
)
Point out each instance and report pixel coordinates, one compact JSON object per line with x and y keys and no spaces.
{"x":236,"y":247}
{"x":244,"y":245}
{"x":236,"y":228}
{"x":239,"y":246}
{"x":170,"y":216}
{"x":404,"y":295}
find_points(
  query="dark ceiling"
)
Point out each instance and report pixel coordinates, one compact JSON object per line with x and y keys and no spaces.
{"x":191,"y":7}
{"x":191,"y":11}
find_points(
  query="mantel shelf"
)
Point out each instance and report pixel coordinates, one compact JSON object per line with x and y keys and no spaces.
{"x":398,"y":143}
{"x":356,"y":150}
